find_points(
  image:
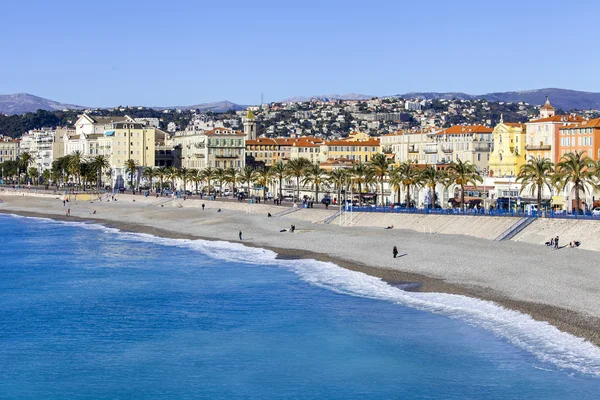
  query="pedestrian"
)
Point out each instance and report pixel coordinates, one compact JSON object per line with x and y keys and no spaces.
{"x":64,"y":203}
{"x":203,"y":205}
{"x":395,"y":252}
{"x":556,"y":242}
{"x":68,"y":212}
{"x":240,"y":235}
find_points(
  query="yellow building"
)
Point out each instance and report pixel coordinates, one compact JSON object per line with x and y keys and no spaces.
{"x":135,"y":141}
{"x":9,"y":149}
{"x":357,"y":147}
{"x":509,"y":141}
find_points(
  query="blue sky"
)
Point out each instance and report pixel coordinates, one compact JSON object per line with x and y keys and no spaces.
{"x":106,"y":53}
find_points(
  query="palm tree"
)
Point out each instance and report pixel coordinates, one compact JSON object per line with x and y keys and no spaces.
{"x":463,"y":173}
{"x":75,"y":161}
{"x":362,"y":174}
{"x":536,"y":175}
{"x":150,"y":173}
{"x":220,"y":176}
{"x":184,"y":175}
{"x":314,"y":175}
{"x":208,"y":174}
{"x":46,"y":175}
{"x":161,"y":174}
{"x":247,"y":175}
{"x":24,"y":161}
{"x":131,"y":167}
{"x":263,"y":177}
{"x":295,"y":169}
{"x":33,"y":173}
{"x":197,"y":178}
{"x":231,"y":178}
{"x":576,"y":168}
{"x":338,"y":177}
{"x":100,"y":163}
{"x":278,"y":171}
{"x":172,"y":174}
{"x":380,"y":165}
{"x":430,"y":177}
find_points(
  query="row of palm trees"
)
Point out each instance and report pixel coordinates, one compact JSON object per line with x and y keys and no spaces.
{"x":576,"y":170}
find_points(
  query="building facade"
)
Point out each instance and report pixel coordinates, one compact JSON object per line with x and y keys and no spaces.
{"x":217,"y":148}
{"x":509,"y":149}
{"x":9,"y":149}
{"x":584,"y":137}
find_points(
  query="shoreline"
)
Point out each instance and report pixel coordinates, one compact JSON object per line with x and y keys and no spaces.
{"x":573,"y":322}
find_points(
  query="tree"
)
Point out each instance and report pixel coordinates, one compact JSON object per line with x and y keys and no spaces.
{"x":100,"y":163}
{"x":295,"y":168}
{"x":75,"y":161}
{"x":208,"y":174}
{"x":150,"y":173}
{"x":463,"y":173}
{"x":578,"y":169}
{"x":172,"y":174}
{"x":131,"y":167}
{"x":380,"y":165}
{"x":263,"y":177}
{"x":338,"y":177}
{"x":161,"y":174}
{"x":430,"y":177}
{"x":247,"y":175}
{"x":24,"y":161}
{"x":184,"y":175}
{"x":231,"y":178}
{"x":33,"y":173}
{"x":220,"y":177}
{"x":314,"y":175}
{"x":362,"y":174}
{"x":278,"y":171}
{"x":536,"y":174}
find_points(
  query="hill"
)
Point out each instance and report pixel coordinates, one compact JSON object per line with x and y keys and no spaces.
{"x":560,"y":98}
{"x":327,"y":97}
{"x":24,"y":102}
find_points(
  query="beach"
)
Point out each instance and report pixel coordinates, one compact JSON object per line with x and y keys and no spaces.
{"x":560,"y":287}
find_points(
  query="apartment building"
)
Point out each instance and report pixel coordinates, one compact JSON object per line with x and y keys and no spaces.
{"x":9,"y":149}
{"x":508,"y":152}
{"x":584,"y":137}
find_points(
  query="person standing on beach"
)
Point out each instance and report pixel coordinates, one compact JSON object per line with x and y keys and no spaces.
{"x":203,"y":205}
{"x":68,"y":212}
{"x":395,"y":252}
{"x":240,"y":235}
{"x":556,"y":242}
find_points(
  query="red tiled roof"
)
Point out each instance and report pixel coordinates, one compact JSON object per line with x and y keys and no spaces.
{"x":591,"y":123}
{"x":558,"y":119}
{"x":461,"y":130}
{"x":370,"y":142}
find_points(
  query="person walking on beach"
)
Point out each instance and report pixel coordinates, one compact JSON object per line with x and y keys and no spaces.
{"x":395,"y":252}
{"x":556,"y":242}
{"x":203,"y":205}
{"x":68,"y":212}
{"x":240,"y":235}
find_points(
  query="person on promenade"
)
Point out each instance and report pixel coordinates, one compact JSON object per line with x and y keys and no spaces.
{"x":203,"y":205}
{"x":64,"y":203}
{"x":395,"y":252}
{"x":240,"y":235}
{"x":556,"y":242}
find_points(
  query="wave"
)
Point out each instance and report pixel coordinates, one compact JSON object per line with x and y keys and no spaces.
{"x":544,"y":341}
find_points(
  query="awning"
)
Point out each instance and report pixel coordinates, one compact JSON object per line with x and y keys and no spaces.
{"x":109,"y":133}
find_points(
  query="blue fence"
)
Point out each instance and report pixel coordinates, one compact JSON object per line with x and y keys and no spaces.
{"x":473,"y":212}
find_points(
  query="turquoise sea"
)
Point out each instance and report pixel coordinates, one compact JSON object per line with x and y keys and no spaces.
{"x":88,"y":312}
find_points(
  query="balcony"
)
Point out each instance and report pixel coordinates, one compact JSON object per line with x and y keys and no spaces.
{"x":540,"y":146}
{"x":413,"y":149}
{"x":481,"y":147}
{"x":431,"y":150}
{"x":225,"y":156}
{"x":447,"y":149}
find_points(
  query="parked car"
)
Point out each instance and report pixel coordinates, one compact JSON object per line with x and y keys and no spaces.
{"x":596,"y":212}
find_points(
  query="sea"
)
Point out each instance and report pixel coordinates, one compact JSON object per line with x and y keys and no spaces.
{"x":90,"y":312}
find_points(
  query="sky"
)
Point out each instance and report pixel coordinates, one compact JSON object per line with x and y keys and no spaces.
{"x":177,"y":52}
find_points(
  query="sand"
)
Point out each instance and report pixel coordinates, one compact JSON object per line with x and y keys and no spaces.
{"x":561,"y":287}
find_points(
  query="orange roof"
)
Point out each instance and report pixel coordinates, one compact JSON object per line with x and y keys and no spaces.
{"x":557,"y":118}
{"x":370,"y":142}
{"x":224,"y":131}
{"x":591,"y":123}
{"x":259,"y":141}
{"x":515,"y":124}
{"x":394,"y":134}
{"x":461,"y":130}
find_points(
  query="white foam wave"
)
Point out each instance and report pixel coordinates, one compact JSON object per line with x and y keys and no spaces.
{"x":541,"y":339}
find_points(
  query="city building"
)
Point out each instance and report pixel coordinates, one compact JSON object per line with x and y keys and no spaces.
{"x":357,"y":147}
{"x":217,"y":148}
{"x":9,"y":149}
{"x":542,"y":139}
{"x":471,"y":143}
{"x":250,"y":125}
{"x":509,"y":149}
{"x":584,"y":137}
{"x":39,"y":144}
